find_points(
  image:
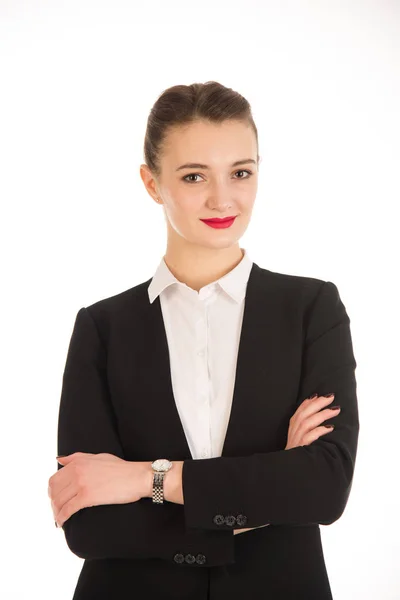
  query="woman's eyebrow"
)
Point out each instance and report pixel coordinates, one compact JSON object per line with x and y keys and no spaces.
{"x":201,"y":166}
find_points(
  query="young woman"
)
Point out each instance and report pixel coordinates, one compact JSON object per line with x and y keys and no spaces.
{"x":198,"y":454}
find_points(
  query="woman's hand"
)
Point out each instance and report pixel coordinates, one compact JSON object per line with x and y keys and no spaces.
{"x":303,"y":425}
{"x":94,"y":479}
{"x":236,"y":531}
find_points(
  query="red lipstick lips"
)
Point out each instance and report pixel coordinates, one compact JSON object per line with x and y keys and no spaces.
{"x":219,"y":223}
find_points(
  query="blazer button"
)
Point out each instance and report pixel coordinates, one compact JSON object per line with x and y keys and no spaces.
{"x":219,"y":519}
{"x":190,"y":559}
{"x":230,"y":520}
{"x":241,"y":520}
{"x":200,"y":559}
{"x":179,"y":558}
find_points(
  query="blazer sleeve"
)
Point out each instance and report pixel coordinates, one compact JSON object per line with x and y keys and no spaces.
{"x":87,"y":423}
{"x":303,"y":485}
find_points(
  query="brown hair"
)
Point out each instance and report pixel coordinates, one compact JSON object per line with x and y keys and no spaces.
{"x":184,"y":104}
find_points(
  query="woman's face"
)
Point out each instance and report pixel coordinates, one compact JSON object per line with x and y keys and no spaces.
{"x":217,"y":189}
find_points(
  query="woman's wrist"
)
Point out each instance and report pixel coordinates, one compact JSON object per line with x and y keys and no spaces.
{"x":147,"y":480}
{"x":173,"y":491}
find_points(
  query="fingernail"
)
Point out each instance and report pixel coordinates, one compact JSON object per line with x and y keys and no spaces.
{"x":55,"y":523}
{"x":328,"y":395}
{"x":61,"y":455}
{"x":329,"y":426}
{"x":334,"y":407}
{"x":313,"y":396}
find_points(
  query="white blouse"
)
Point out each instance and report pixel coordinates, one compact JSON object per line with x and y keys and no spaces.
{"x":203,"y":332}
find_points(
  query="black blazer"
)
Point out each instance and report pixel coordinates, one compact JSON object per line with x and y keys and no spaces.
{"x":117,"y":398}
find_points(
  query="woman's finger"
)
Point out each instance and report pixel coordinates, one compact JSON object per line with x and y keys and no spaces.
{"x":321,"y":416}
{"x":311,"y":405}
{"x":316,"y":433}
{"x":304,"y":424}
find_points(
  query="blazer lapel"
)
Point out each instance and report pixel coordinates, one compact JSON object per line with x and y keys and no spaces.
{"x":255,"y":368}
{"x":256,"y":371}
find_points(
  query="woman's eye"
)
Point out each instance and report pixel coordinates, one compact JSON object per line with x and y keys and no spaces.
{"x":190,"y":175}
{"x":198,"y":175}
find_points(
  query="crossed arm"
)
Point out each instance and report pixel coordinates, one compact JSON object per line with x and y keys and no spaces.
{"x":98,"y":479}
{"x":173,"y":488}
{"x":309,"y":484}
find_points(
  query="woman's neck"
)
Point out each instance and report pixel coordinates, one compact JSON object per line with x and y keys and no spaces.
{"x":199,"y":268}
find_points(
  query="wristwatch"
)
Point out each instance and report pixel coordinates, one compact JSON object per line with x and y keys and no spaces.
{"x":160,"y":467}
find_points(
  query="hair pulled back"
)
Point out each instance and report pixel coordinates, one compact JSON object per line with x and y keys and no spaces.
{"x":185,"y":104}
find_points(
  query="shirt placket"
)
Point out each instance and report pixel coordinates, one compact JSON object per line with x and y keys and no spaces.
{"x":202,"y":374}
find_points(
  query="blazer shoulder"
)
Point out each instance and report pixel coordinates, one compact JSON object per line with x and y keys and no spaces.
{"x":304,"y":287}
{"x":315,"y":299}
{"x":120,"y":303}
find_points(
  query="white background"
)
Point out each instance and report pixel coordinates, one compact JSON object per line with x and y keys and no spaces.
{"x":77,"y":81}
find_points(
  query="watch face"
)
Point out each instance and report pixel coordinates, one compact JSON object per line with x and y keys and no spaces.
{"x":162,"y":464}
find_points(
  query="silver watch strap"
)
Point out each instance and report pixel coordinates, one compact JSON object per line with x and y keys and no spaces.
{"x":158,"y":488}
